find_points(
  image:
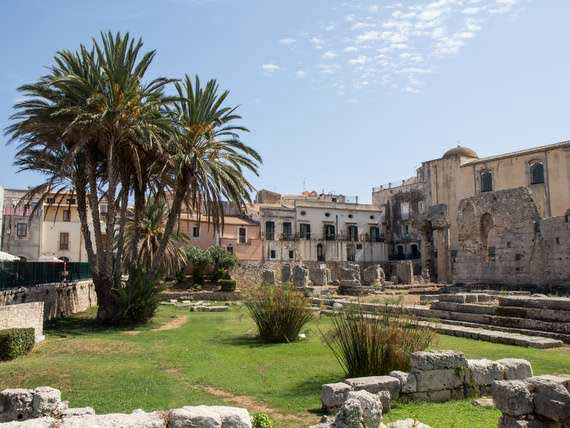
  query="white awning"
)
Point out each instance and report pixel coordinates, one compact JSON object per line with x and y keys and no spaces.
{"x":50,"y":259}
{"x":5,"y":257}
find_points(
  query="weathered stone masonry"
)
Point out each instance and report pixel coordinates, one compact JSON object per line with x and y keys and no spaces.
{"x":25,"y":315}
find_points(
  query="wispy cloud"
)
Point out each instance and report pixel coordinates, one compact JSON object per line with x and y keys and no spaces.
{"x":395,"y":45}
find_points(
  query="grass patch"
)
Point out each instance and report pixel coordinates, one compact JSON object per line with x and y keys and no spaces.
{"x":116,"y":372}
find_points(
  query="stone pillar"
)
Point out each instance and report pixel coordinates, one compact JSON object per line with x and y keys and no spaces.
{"x":285,"y":273}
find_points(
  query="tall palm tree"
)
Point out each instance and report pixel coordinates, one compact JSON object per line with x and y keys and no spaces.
{"x":151,"y":230}
{"x":94,"y":107}
{"x":207,"y":159}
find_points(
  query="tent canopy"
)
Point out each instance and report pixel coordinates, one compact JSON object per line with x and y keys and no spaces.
{"x":5,"y":257}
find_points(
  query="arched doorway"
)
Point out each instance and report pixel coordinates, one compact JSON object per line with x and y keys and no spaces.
{"x":320,"y":253}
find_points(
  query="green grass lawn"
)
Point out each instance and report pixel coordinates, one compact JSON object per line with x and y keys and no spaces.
{"x":214,"y":358}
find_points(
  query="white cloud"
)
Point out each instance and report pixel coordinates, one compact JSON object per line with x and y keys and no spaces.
{"x":270,"y":68}
{"x":287,"y":41}
{"x":392,"y":44}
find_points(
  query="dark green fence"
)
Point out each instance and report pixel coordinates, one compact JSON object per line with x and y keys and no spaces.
{"x":29,"y":274}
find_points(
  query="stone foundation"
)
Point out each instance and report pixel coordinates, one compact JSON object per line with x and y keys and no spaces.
{"x":24,"y":315}
{"x":437,"y":376}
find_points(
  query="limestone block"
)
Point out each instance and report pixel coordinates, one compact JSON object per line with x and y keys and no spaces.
{"x":516,"y":368}
{"x":513,"y":397}
{"x":320,"y":275}
{"x":405,"y":272}
{"x":561,"y":379}
{"x":300,"y":276}
{"x":386,"y":401}
{"x":436,"y":360}
{"x":407,"y":423}
{"x":507,"y":421}
{"x":484,"y":372}
{"x":333,"y":395}
{"x":137,"y":419}
{"x":47,"y":402}
{"x":78,"y":411}
{"x":437,"y":380}
{"x":373,"y":275}
{"x":16,"y":404}
{"x":32,"y":423}
{"x":285,"y":273}
{"x":195,"y":416}
{"x":408,"y":381}
{"x":268,"y":277}
{"x":360,"y":409}
{"x":375,"y":384}
{"x":551,"y":399}
{"x":350,"y":272}
{"x":233,"y":417}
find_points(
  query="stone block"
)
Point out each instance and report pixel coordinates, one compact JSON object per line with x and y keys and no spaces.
{"x":268,"y":277}
{"x":285,"y":273}
{"x":78,"y":411}
{"x":373,"y":275}
{"x":513,"y":397}
{"x":361,"y":409}
{"x":507,"y":421}
{"x":350,"y":272}
{"x":407,"y":423}
{"x":320,"y":275}
{"x":551,"y":399}
{"x":233,"y":417}
{"x":16,"y":404}
{"x":300,"y":277}
{"x":47,"y":402}
{"x":195,"y":416}
{"x":561,"y":379}
{"x":516,"y":368}
{"x":33,"y":423}
{"x":437,"y":360}
{"x":405,"y":272}
{"x":437,"y":380}
{"x":386,"y":401}
{"x":333,"y":395}
{"x":137,"y":419}
{"x":408,"y":381}
{"x":375,"y":384}
{"x":484,"y":372}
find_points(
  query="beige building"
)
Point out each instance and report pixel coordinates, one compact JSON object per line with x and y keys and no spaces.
{"x":320,"y":228}
{"x":442,"y":186}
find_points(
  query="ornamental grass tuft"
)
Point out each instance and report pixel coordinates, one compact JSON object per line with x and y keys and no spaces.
{"x":278,"y":312}
{"x":370,"y":345}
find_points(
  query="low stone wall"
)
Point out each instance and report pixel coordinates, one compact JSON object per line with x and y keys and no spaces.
{"x":437,"y":376}
{"x":208,"y":296}
{"x":542,"y":401}
{"x":24,"y":315}
{"x":42,"y":407}
{"x":59,"y":299}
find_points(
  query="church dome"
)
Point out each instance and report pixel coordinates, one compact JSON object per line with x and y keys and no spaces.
{"x":459,"y":151}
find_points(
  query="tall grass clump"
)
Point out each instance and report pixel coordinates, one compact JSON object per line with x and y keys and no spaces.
{"x":278,"y":312}
{"x":369,"y":345}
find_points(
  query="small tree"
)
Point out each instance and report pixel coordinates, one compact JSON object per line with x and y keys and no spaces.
{"x":222,"y":261}
{"x":199,"y":260}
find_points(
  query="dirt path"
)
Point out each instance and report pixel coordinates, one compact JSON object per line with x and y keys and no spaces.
{"x":254,"y":406}
{"x":170,"y":325}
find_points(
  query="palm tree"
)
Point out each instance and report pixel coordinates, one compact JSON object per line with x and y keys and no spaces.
{"x":151,"y":231}
{"x":207,"y":159}
{"x":94,"y":108}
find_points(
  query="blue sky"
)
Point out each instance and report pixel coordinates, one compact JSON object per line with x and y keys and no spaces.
{"x":340,"y":95}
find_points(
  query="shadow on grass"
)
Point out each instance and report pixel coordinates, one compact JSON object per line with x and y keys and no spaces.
{"x":247,"y":341}
{"x":81,"y":324}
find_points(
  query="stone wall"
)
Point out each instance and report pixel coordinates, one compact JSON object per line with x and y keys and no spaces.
{"x":437,"y":376}
{"x":542,"y":401}
{"x":24,"y":315}
{"x":42,"y":407}
{"x":59,"y":299}
{"x":503,"y":240}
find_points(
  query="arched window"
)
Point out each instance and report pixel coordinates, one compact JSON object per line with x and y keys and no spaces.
{"x":486,"y":182}
{"x":536,"y":173}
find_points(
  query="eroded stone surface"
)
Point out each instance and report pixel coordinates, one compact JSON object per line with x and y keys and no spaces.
{"x":513,"y":397}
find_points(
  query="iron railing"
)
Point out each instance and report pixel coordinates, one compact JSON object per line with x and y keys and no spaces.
{"x":29,"y":274}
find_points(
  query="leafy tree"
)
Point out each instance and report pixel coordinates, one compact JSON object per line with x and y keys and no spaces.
{"x":199,"y":260}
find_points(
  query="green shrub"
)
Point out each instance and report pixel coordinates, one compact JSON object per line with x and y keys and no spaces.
{"x":261,"y":420}
{"x":278,"y":312}
{"x":15,"y":342}
{"x":200,"y":260}
{"x":221,"y":258}
{"x":137,"y":301}
{"x":228,"y":285}
{"x":366,"y":345}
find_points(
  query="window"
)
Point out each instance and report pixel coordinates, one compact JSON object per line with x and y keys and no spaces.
{"x":421,"y":207}
{"x":21,"y":230}
{"x":405,"y":210}
{"x":352,"y":232}
{"x":350,"y":216}
{"x":195,"y":231}
{"x":64,"y":241}
{"x":415,"y":251}
{"x":327,"y":214}
{"x":400,"y":250}
{"x":50,"y":201}
{"x":66,"y":215}
{"x":273,"y":254}
{"x":330,"y":234}
{"x":230,"y":249}
{"x":103,"y":209}
{"x":287,"y":231}
{"x":305,"y":231}
{"x":374,"y":233}
{"x":71,"y":201}
{"x":491,"y":253}
{"x":303,"y":212}
{"x":242,"y":233}
{"x":486,"y":182}
{"x":536,"y":173}
{"x":270,"y":230}
{"x":291,"y":254}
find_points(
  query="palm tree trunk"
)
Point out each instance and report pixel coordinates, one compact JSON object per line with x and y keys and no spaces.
{"x":140,"y":202}
{"x":181,"y":189}
{"x":80,"y":186}
{"x":122,"y":225}
{"x":112,"y":174}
